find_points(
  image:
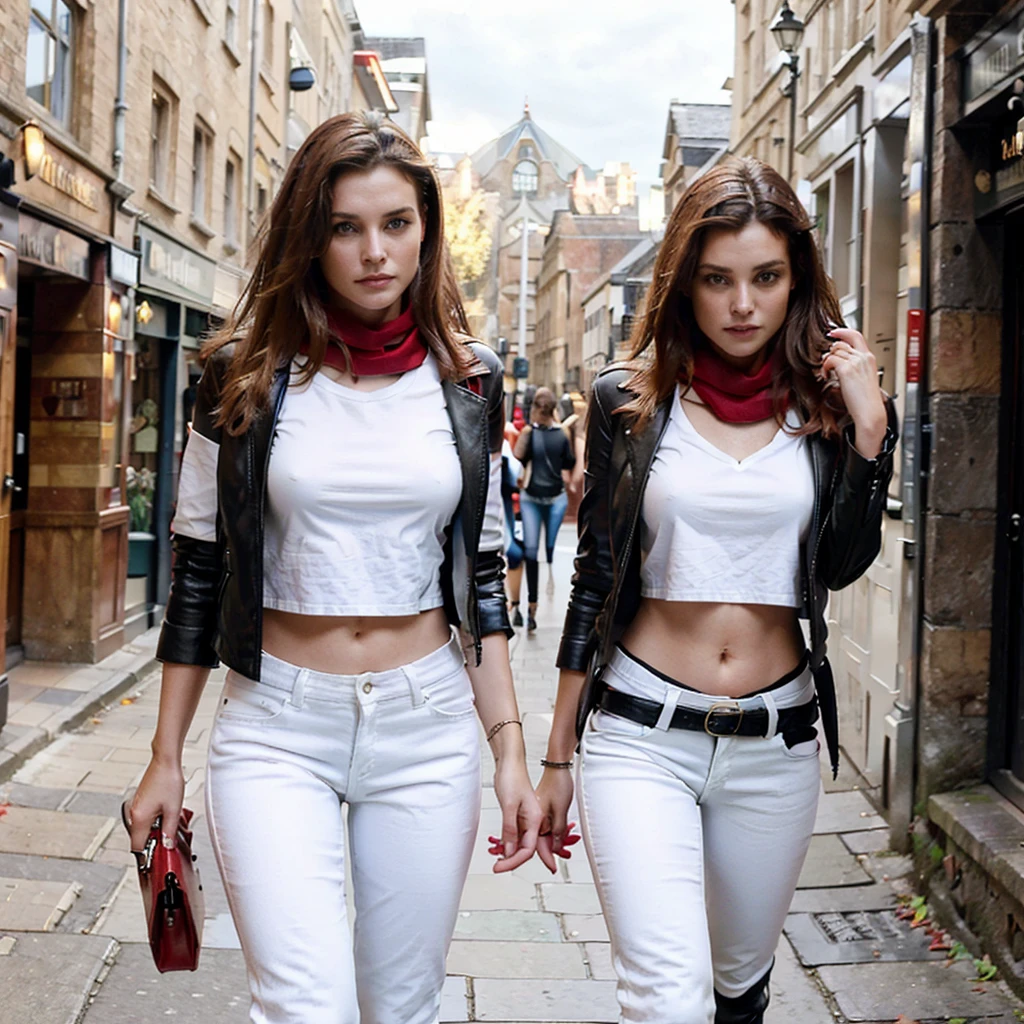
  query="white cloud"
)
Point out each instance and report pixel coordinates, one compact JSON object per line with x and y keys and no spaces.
{"x":599,"y":75}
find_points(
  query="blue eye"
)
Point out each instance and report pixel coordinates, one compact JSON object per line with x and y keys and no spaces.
{"x":344,"y":227}
{"x":768,"y":276}
{"x":397,"y":223}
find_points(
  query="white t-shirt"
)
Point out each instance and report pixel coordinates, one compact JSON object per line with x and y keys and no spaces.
{"x":715,"y":529}
{"x":360,"y":488}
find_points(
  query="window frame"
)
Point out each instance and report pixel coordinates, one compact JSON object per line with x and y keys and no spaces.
{"x":162,"y":184}
{"x":202,"y":172}
{"x":53,"y":42}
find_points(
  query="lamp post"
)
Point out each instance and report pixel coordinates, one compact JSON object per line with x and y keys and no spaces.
{"x":788,"y":30}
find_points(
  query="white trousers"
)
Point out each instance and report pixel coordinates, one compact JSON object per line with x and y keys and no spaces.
{"x":695,"y":843}
{"x":401,"y":749}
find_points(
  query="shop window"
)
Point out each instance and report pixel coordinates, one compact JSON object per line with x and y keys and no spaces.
{"x":202,"y":151}
{"x":49,"y":56}
{"x":524,"y":177}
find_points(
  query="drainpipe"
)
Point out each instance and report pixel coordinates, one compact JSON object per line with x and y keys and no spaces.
{"x":118,"y":188}
{"x":900,"y":760}
{"x":254,"y":80}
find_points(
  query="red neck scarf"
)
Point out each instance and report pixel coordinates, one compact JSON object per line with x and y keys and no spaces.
{"x":729,"y":393}
{"x":368,"y":348}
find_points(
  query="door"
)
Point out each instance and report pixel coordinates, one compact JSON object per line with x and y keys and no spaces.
{"x":7,"y":362}
{"x":1006,"y":723}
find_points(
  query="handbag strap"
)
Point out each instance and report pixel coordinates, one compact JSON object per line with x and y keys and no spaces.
{"x":544,"y":452}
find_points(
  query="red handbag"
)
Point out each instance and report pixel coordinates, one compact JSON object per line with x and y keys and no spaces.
{"x":172,"y":895}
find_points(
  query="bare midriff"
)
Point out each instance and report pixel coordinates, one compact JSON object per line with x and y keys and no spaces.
{"x":727,"y":650}
{"x":350,"y":644}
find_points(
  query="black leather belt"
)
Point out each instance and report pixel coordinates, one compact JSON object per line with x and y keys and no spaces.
{"x":723,"y":718}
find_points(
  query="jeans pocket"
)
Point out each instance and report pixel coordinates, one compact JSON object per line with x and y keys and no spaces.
{"x":451,"y":697}
{"x":606,"y":722}
{"x":249,"y":702}
{"x":801,"y":742}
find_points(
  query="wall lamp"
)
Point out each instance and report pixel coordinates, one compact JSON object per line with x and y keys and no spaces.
{"x":34,"y":143}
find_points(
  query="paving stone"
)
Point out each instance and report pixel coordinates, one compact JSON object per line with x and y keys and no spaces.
{"x":499,"y":892}
{"x":43,"y":797}
{"x":454,"y":1000}
{"x":845,"y":812}
{"x":856,"y":937}
{"x":47,"y":977}
{"x":30,"y":905}
{"x":219,"y":932}
{"x":107,"y":804}
{"x":886,"y":867}
{"x":135,"y":991}
{"x":514,"y":1000}
{"x":830,"y":864}
{"x":919,"y":991}
{"x":875,"y":840}
{"x":508,"y":925}
{"x":854,"y":897}
{"x":571,"y":898}
{"x":516,"y":960}
{"x":97,"y":883}
{"x":584,"y":928}
{"x":577,"y":867}
{"x":795,"y":999}
{"x":599,"y":959}
{"x":53,"y":833}
{"x":60,"y":697}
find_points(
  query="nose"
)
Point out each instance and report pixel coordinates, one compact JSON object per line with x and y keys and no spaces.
{"x":373,"y":250}
{"x":742,"y":300}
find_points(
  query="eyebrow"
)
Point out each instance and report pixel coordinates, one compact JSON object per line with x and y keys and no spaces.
{"x":728,"y":270}
{"x":337,"y":215}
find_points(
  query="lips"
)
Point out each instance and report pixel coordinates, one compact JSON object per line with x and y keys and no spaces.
{"x":377,"y":279}
{"x":743,"y":329}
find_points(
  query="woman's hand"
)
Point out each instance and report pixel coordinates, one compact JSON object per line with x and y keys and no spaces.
{"x":554,"y":794}
{"x":520,"y":816}
{"x":851,"y":364}
{"x":160,"y":795}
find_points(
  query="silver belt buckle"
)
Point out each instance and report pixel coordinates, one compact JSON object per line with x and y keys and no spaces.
{"x":724,"y":705}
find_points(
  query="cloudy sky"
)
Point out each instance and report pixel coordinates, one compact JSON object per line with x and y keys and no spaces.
{"x":599,"y":74}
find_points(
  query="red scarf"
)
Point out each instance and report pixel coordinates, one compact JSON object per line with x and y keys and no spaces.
{"x":729,"y":393}
{"x":367,"y":347}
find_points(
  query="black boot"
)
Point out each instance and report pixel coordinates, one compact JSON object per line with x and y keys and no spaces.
{"x":745,"y":1009}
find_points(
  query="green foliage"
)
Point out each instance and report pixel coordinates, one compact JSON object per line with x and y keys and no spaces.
{"x":985,"y":968}
{"x":468,"y":236}
{"x":139,"y":490}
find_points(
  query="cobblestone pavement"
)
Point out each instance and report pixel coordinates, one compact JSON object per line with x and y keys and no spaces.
{"x":529,"y":947}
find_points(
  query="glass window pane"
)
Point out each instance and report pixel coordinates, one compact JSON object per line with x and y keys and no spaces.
{"x":43,"y":9}
{"x":61,"y":81}
{"x":36,"y":61}
{"x":63,"y":26}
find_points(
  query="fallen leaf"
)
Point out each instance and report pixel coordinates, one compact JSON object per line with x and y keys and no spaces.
{"x":127,"y":700}
{"x":901,"y":1019}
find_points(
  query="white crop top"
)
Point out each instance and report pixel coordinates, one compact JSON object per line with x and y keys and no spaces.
{"x":719,"y":530}
{"x":360,"y":488}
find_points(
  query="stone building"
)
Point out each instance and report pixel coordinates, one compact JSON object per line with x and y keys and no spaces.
{"x":126,"y":210}
{"x":611,"y":190}
{"x":404,"y":63}
{"x":577,"y":251}
{"x":909,"y":153}
{"x":696,"y":135}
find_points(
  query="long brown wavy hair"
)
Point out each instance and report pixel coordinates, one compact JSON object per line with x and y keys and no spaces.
{"x":728,"y":197}
{"x":282,"y":305}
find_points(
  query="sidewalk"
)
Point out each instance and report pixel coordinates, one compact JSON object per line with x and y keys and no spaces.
{"x":528,"y":947}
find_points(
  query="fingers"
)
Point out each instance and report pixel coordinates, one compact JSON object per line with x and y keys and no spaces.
{"x":851,"y":337}
{"x":546,"y":853}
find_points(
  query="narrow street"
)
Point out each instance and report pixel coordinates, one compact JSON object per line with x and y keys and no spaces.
{"x":528,"y":947}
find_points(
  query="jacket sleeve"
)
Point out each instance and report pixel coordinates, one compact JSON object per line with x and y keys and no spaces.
{"x":490,"y":561}
{"x":190,"y":618}
{"x":853,"y":532}
{"x":592,"y":580}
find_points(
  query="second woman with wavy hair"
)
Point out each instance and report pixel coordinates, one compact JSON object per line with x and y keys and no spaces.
{"x":735,"y":473}
{"x":339,"y":517}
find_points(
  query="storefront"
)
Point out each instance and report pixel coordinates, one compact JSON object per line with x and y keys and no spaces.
{"x":992,"y":131}
{"x":175,"y":300}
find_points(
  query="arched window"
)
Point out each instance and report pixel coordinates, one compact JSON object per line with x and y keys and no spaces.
{"x":524,"y":177}
{"x":525,"y":150}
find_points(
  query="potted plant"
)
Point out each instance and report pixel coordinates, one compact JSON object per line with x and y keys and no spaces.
{"x":140,"y":486}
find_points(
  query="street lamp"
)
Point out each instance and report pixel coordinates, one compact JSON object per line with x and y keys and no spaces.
{"x":788,"y":30}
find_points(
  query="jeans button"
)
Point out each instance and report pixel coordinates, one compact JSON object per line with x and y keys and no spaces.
{"x":367,"y":686}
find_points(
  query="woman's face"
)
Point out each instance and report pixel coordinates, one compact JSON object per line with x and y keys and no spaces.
{"x":740,"y":292}
{"x":377,"y":227}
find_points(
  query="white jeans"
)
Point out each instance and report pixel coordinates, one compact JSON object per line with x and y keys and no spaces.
{"x":696,"y":844}
{"x":401,"y":749}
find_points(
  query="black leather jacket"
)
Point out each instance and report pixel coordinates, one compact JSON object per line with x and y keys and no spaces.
{"x":845,"y":536}
{"x":216,"y":601}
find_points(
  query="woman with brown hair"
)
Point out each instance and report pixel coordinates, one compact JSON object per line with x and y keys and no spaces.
{"x":338,"y":545}
{"x":736,"y":471}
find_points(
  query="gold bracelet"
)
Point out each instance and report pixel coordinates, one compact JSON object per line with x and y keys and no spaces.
{"x":495,"y":729}
{"x":555,"y":764}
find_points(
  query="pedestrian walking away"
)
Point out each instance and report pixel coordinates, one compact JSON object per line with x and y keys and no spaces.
{"x":546,"y":452}
{"x":338,"y":544}
{"x":737,"y":470}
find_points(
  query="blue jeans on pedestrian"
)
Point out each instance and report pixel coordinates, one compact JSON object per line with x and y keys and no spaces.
{"x":534,"y":512}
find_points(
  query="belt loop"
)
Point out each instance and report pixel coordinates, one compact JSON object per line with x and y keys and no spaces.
{"x":773,"y":715}
{"x":298,"y":697}
{"x":672,"y":695}
{"x":415,"y":693}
